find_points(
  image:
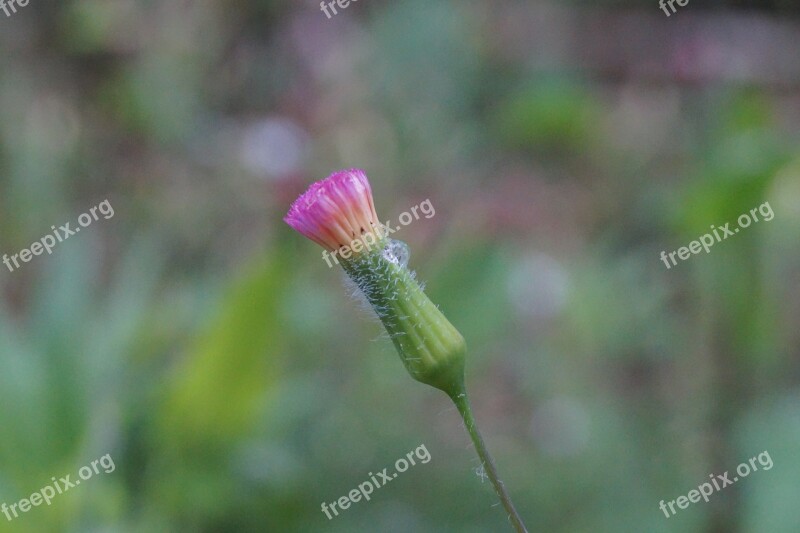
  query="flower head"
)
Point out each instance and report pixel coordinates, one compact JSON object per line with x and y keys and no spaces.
{"x":338,"y":210}
{"x":335,"y":211}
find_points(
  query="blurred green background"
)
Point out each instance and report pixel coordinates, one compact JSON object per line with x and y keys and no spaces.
{"x":222,"y":364}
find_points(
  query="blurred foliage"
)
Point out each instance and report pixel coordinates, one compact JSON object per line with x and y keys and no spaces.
{"x":219,"y":361}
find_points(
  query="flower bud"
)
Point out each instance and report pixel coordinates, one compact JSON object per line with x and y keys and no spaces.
{"x":339,"y":210}
{"x":431,"y":348}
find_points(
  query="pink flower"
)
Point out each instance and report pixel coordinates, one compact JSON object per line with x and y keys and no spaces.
{"x":339,"y":211}
{"x":335,"y":211}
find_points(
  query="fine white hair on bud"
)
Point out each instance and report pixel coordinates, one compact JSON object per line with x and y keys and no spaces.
{"x":397,"y":252}
{"x":431,"y":349}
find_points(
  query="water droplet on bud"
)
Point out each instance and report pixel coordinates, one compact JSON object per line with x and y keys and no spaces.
{"x":397,"y":252}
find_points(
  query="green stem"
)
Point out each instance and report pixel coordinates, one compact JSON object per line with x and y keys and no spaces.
{"x":462,"y":403}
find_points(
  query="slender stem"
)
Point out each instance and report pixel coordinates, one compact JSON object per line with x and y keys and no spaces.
{"x":462,"y":403}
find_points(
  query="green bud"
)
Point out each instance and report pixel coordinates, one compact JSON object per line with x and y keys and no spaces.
{"x":430,"y":347}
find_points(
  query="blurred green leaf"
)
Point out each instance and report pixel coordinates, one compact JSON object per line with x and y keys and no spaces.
{"x":221,"y":385}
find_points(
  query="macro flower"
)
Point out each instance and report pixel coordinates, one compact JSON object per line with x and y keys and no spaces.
{"x":335,"y":211}
{"x":338,"y":213}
